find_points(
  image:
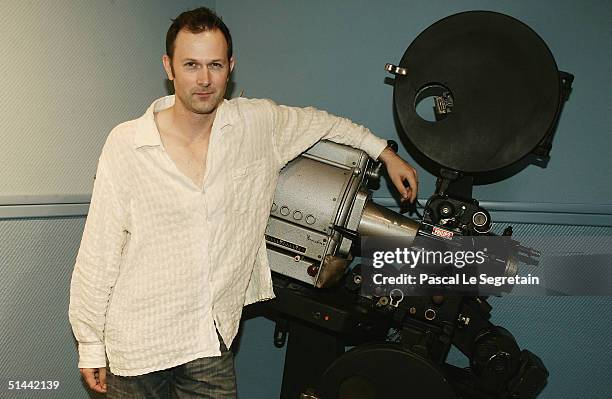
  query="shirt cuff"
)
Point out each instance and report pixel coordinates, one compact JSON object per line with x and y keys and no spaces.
{"x":373,"y":145}
{"x":92,"y":356}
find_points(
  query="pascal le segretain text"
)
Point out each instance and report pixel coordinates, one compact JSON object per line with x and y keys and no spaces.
{"x":457,"y":279}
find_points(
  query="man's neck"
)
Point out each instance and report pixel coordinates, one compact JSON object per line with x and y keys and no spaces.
{"x":191,"y":127}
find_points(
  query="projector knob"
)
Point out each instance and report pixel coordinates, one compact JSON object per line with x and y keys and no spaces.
{"x":312,"y":270}
{"x":446,"y":209}
{"x":480,"y":219}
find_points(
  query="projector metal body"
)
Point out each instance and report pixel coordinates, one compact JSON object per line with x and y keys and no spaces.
{"x":321,"y":205}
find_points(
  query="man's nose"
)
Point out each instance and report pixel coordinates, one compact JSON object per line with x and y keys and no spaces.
{"x":203,"y":78}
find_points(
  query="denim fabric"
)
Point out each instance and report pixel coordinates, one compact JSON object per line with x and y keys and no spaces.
{"x":208,"y":377}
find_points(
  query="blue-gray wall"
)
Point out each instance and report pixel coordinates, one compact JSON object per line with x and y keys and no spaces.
{"x":324,"y":53}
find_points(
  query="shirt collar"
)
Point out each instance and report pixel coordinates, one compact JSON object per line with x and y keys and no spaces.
{"x":147,"y":133}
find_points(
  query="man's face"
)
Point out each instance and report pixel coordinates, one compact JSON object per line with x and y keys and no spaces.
{"x":200,"y":70}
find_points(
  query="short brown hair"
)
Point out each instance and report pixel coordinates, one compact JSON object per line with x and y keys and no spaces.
{"x":196,"y":21}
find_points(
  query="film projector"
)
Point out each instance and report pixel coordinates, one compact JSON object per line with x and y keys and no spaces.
{"x":494,"y":94}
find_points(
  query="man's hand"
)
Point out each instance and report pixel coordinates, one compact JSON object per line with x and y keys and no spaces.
{"x":95,"y":378}
{"x":400,"y":172}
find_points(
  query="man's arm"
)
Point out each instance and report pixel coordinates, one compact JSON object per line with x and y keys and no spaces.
{"x":96,"y":270}
{"x":297,"y":129}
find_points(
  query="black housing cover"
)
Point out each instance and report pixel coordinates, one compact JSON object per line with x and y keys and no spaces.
{"x":505,"y":85}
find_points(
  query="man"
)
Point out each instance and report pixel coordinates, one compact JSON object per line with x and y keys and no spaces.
{"x":173,"y":246}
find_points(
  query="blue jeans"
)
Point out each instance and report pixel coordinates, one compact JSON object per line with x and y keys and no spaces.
{"x":208,"y":377}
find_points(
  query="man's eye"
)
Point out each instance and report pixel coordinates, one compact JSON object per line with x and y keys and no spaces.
{"x":191,"y":65}
{"x":216,"y":65}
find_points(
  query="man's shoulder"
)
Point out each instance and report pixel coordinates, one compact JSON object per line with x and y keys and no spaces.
{"x":119,"y":143}
{"x":251,"y":102}
{"x":123,"y":134}
{"x":252,"y":106}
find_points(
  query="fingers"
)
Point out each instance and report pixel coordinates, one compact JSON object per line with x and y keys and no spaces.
{"x":95,"y":379}
{"x":88,"y":377}
{"x":413,"y":181}
{"x":403,"y":191}
{"x":407,"y":174}
{"x":102,"y":375}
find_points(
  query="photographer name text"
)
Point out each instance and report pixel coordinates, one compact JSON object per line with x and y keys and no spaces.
{"x":457,"y":279}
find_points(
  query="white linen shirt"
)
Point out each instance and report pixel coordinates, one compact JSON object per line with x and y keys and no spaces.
{"x":162,"y":262}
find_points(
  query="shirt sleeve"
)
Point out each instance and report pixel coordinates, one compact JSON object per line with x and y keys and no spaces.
{"x":97,"y":265}
{"x":297,"y":129}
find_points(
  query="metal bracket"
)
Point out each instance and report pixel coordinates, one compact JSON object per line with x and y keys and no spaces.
{"x":396,"y":70}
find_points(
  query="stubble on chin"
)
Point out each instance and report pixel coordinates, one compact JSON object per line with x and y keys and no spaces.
{"x":204,"y":107}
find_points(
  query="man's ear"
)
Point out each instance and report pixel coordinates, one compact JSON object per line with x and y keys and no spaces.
{"x":231,"y":65}
{"x":167,"y":61}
